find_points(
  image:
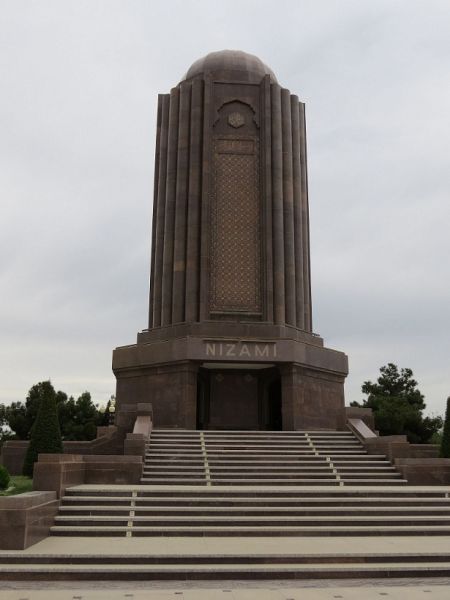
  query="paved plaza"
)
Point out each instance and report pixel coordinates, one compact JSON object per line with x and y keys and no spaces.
{"x":438,"y":589}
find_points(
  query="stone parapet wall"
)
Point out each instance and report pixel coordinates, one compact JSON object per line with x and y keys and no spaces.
{"x":418,"y":463}
{"x":109,"y":442}
{"x":425,"y":471}
{"x":57,"y":472}
{"x":26,"y":519}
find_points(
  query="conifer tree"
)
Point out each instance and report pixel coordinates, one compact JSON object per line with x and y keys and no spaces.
{"x":445,"y":444}
{"x":45,"y":433}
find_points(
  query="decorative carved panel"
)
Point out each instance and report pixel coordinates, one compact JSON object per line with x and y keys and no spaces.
{"x":235,"y":226}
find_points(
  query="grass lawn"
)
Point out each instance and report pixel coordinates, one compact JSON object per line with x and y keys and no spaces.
{"x":19,"y":484}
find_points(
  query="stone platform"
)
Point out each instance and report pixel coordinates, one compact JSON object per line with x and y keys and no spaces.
{"x":238,"y":590}
{"x":233,"y":505}
{"x":212,"y":558}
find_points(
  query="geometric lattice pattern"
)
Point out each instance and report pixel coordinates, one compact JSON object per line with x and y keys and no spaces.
{"x":236,"y":229}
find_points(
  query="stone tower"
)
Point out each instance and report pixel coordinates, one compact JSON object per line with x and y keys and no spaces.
{"x":229,"y":343}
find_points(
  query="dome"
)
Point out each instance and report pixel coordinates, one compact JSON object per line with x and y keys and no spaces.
{"x":233,"y":65}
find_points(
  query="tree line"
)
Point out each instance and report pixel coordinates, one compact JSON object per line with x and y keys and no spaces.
{"x":78,"y":418}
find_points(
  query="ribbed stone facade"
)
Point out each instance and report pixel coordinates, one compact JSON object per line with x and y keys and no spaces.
{"x":230,"y":218}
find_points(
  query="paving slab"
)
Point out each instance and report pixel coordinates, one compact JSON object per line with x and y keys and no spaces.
{"x":236,"y":591}
{"x":176,"y":546}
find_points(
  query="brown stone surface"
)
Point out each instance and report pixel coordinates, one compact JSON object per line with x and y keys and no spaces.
{"x":57,"y":472}
{"x":397,"y":446}
{"x":312,"y":400}
{"x":172,"y":389}
{"x":135,"y":444}
{"x":425,"y":471}
{"x":115,"y":469}
{"x":26,"y":519}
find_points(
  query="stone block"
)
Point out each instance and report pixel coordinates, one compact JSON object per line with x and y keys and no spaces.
{"x":425,"y":471}
{"x":26,"y":519}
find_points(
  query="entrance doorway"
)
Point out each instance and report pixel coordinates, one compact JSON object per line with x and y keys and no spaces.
{"x":239,"y":398}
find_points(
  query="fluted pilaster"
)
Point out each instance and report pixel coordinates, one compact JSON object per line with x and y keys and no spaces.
{"x":159,"y":216}
{"x":277,"y":207}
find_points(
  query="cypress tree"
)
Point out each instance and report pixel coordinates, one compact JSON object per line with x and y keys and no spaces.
{"x":445,"y":444}
{"x":45,"y":433}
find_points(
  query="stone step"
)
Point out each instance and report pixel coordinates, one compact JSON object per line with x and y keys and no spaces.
{"x":191,"y":520}
{"x":266,"y":502}
{"x":315,"y":492}
{"x":364,"y":461}
{"x":174,"y":468}
{"x":335,"y":457}
{"x":233,"y":451}
{"x":291,"y":474}
{"x":238,"y":447}
{"x":386,"y":474}
{"x":309,"y":459}
{"x":281,"y":455}
{"x":261,"y":531}
{"x":366,"y":468}
{"x":287,"y":468}
{"x":282,"y":467}
{"x":175,"y":450}
{"x":340,"y":451}
{"x":320,"y":462}
{"x":266,"y":440}
{"x":263,"y":470}
{"x":173,"y":475}
{"x":174,"y":445}
{"x":202,"y":511}
{"x":279,"y":481}
{"x":230,"y":571}
{"x":361,"y":559}
{"x":268,"y":434}
{"x":263,"y":475}
{"x":255,"y":440}
{"x":286,"y":433}
{"x":255,"y":452}
{"x":148,"y":480}
{"x":269,"y":447}
{"x":337,"y":444}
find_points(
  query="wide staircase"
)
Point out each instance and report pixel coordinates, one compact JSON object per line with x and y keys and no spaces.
{"x":263,"y":458}
{"x":235,"y":483}
{"x":247,"y":505}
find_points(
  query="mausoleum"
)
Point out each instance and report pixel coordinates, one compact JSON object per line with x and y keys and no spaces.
{"x":230,"y":341}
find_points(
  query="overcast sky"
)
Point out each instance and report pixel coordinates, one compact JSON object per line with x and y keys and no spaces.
{"x":78,"y":87}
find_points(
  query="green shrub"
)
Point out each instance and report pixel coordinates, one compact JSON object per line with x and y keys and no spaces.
{"x":45,"y":433}
{"x":445,"y":444}
{"x":4,"y":478}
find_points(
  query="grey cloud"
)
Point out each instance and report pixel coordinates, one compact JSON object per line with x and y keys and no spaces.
{"x":77,"y":117}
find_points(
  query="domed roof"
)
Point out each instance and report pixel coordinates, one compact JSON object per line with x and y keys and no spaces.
{"x":231,"y":65}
